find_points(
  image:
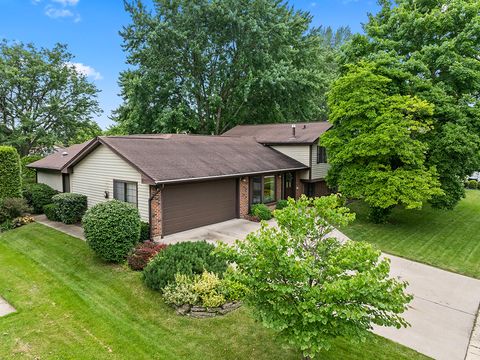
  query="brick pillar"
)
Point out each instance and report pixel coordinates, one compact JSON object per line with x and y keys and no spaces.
{"x":278,"y":189}
{"x":299,"y":190}
{"x":244,"y":185}
{"x":155,"y":212}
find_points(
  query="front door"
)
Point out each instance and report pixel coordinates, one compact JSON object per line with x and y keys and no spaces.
{"x":288,"y":185}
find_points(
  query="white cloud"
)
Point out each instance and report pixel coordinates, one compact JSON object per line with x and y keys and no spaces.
{"x":86,"y":70}
{"x":313,"y":4}
{"x":55,"y":13}
{"x":66,"y":2}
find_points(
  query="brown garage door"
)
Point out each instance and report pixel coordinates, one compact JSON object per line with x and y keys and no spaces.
{"x":187,"y":206}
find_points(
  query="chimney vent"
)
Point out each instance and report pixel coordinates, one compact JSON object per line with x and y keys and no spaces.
{"x":293,"y":130}
{"x":64,"y":153}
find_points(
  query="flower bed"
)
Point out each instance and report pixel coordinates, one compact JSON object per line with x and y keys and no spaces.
{"x":204,"y":312}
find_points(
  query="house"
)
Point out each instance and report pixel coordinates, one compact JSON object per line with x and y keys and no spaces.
{"x":179,"y":182}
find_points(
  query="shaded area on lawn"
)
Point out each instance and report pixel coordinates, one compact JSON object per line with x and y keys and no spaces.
{"x":71,"y":305}
{"x":447,"y":239}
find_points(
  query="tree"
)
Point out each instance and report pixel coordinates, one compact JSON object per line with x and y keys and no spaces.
{"x":205,"y":66}
{"x":44,"y":100}
{"x":310,"y":287}
{"x":375,"y":147}
{"x":436,"y":43}
{"x":10,"y":173}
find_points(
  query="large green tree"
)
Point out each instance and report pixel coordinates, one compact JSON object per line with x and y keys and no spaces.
{"x":44,"y":100}
{"x":375,"y":147}
{"x":435,"y":42}
{"x":207,"y":65}
{"x":310,"y":287}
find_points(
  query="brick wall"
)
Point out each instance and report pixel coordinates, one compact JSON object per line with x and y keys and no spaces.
{"x":156,"y":212}
{"x":244,"y":196}
{"x":298,"y":185}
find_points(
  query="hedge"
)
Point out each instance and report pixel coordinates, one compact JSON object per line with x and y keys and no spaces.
{"x":38,"y":195}
{"x":10,"y":173}
{"x":112,"y":229}
{"x":71,"y":207}
{"x":51,"y":212}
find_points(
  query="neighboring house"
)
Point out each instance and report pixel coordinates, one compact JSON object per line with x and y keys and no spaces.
{"x":179,"y":182}
{"x":475,"y":176}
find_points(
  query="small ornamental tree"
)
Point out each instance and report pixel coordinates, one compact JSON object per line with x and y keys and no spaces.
{"x":309,"y":286}
{"x":10,"y":175}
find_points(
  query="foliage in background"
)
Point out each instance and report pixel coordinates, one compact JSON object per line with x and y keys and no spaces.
{"x":10,"y":173}
{"x":436,"y":58}
{"x":187,"y":258}
{"x":310,"y":287}
{"x":143,"y":253}
{"x":112,"y":229}
{"x":375,"y":147}
{"x":281,"y":204}
{"x":71,"y":207}
{"x":29,"y":175}
{"x":205,"y":66}
{"x":261,"y":211}
{"x":38,"y":195}
{"x":44,"y":100}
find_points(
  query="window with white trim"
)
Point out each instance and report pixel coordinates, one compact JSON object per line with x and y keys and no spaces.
{"x":125,"y":191}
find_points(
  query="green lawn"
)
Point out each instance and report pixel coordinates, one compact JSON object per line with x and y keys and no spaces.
{"x":442,"y":238}
{"x":72,"y":306}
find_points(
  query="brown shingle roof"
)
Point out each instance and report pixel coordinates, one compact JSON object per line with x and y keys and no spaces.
{"x":58,"y":159}
{"x":168,"y":158}
{"x":305,"y":133}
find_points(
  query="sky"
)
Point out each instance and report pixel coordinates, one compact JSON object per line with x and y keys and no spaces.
{"x":90,"y":29}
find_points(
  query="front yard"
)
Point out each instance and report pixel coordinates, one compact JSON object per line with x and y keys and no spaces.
{"x":442,"y":238}
{"x":72,"y":306}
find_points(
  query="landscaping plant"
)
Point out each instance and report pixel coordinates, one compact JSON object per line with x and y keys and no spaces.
{"x":145,"y":231}
{"x":186,"y":258}
{"x":310,"y":287}
{"x":472,"y":184}
{"x":10,"y":175}
{"x":11,"y":208}
{"x":143,"y":253}
{"x":71,"y":207}
{"x":51,"y":212}
{"x":281,"y":204}
{"x":261,"y":211}
{"x":38,"y":195}
{"x":112,"y":229}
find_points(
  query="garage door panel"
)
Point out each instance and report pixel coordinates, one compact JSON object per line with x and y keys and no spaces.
{"x":186,"y":206}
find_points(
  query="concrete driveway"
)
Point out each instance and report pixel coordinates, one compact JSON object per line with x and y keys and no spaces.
{"x":442,"y":313}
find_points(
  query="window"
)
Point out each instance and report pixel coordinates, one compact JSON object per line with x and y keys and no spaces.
{"x":125,"y":191}
{"x":321,"y":155}
{"x":263,"y":189}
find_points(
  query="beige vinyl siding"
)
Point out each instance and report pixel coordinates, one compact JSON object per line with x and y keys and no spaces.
{"x":51,"y":178}
{"x":300,"y":153}
{"x":319,"y":171}
{"x":95,"y":174}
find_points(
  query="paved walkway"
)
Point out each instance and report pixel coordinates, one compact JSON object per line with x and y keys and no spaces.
{"x":5,"y":307}
{"x":72,"y":230}
{"x":441,"y":315}
{"x":473,"y":352}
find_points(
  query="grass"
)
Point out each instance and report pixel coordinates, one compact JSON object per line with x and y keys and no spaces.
{"x":72,"y":306}
{"x":442,"y":238}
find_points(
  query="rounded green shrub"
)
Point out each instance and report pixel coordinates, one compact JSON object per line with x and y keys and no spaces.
{"x":261,"y":211}
{"x":112,"y":229}
{"x":10,"y":173}
{"x":38,"y":195}
{"x":51,"y":212}
{"x":472,"y":184}
{"x":145,"y":231}
{"x":11,"y":208}
{"x":281,"y":204}
{"x":187,"y":258}
{"x":71,"y":207}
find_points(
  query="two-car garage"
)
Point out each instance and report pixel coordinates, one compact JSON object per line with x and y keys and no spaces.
{"x":189,"y":205}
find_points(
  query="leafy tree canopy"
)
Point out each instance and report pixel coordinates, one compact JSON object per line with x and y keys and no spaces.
{"x":435,"y":44}
{"x":43,"y":100}
{"x":205,"y":66}
{"x":375,"y":147}
{"x":310,"y":287}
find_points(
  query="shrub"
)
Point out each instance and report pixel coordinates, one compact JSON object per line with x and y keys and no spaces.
{"x":187,"y":258}
{"x":71,"y":207}
{"x":144,"y":231}
{"x":22,"y":220}
{"x":10,"y":175}
{"x":261,"y":211}
{"x":29,"y":175}
{"x":51,"y":211}
{"x":472,"y":184}
{"x":143,"y":253}
{"x":281,"y":204}
{"x":38,"y":195}
{"x":11,"y":208}
{"x":181,"y":291}
{"x":112,"y":229}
